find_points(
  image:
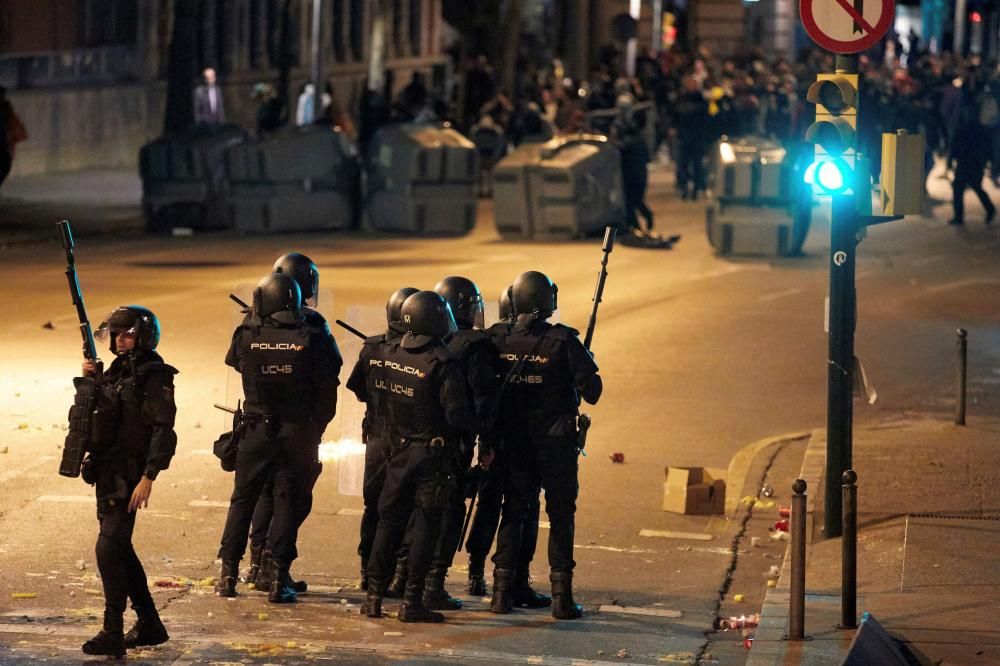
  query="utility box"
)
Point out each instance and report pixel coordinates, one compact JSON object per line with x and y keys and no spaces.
{"x":568,"y":187}
{"x":902,"y":177}
{"x":422,"y":179}
{"x":301,"y":179}
{"x":746,"y":230}
{"x":694,"y":490}
{"x":183,"y":177}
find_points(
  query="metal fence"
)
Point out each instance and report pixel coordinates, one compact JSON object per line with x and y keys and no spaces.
{"x":109,"y":64}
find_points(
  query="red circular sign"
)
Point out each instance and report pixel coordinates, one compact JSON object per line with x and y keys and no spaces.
{"x":822,"y":18}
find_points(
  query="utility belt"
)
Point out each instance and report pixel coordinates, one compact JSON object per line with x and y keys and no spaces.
{"x":398,"y":443}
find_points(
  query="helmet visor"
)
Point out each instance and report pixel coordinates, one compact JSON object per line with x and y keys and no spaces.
{"x":119,"y":321}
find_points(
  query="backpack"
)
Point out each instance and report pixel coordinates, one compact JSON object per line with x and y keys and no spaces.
{"x":989,"y":110}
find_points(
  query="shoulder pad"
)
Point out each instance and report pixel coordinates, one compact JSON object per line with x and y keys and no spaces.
{"x":155,"y":367}
{"x":374,"y":340}
{"x":563,"y":332}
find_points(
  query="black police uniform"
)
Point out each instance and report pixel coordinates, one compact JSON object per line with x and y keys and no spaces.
{"x":136,"y":398}
{"x":264,"y":510}
{"x":539,"y":409}
{"x":427,"y":406}
{"x":376,"y":439}
{"x":290,"y":379}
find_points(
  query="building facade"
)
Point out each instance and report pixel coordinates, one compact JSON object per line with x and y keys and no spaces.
{"x":87,"y":77}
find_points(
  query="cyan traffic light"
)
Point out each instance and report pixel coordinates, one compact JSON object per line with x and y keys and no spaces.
{"x":834,"y":133}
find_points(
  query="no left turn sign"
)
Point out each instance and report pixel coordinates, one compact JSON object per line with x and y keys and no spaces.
{"x":846,"y":26}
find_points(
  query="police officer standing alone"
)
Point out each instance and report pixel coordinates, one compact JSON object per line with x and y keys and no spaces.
{"x":427,"y":406}
{"x":301,"y":269}
{"x":548,"y":370}
{"x":290,"y":389}
{"x":133,"y":430}
{"x":375,"y":425}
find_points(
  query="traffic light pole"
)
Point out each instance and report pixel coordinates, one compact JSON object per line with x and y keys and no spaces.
{"x":840,"y":359}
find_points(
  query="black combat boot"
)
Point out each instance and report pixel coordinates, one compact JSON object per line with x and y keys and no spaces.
{"x":281,"y":591}
{"x":372,"y":607}
{"x":364,"y":574}
{"x":563,"y":607}
{"x":298,"y":585}
{"x":109,"y":641}
{"x":147,"y":630}
{"x":523,"y":594}
{"x":413,"y":608}
{"x":226,"y":587}
{"x":435,"y":596}
{"x":502,"y":601}
{"x":263,"y":580}
{"x":251,"y":576}
{"x":398,"y":583}
{"x":477,"y":577}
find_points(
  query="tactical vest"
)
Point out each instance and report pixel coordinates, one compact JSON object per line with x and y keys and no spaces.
{"x":121,"y":425}
{"x":407,"y":383}
{"x":376,"y":413}
{"x":276,"y":372}
{"x":540,"y":395}
{"x":462,"y":342}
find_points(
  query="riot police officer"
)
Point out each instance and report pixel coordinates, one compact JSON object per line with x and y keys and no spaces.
{"x":483,"y":527}
{"x":427,"y":407}
{"x":290,"y":387}
{"x":548,"y":371}
{"x":374,"y":426}
{"x":133,"y":430}
{"x":305,"y":273}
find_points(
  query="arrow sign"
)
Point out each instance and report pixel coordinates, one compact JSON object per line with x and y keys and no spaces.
{"x":847,"y":26}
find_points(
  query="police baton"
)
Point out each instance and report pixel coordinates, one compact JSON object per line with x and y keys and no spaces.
{"x":351,"y":329}
{"x":479,"y":472}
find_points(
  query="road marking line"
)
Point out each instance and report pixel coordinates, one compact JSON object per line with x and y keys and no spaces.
{"x":214,"y":504}
{"x":636,"y":610}
{"x":76,"y":499}
{"x":863,"y":275}
{"x":780,"y":294}
{"x":347,"y":511}
{"x":933,"y":259}
{"x":544,"y":525}
{"x":614,"y":549}
{"x":958,"y":284}
{"x":14,"y":473}
{"x":664,"y":534}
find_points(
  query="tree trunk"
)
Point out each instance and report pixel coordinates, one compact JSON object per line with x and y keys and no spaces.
{"x":181,"y":67}
{"x":511,"y":49}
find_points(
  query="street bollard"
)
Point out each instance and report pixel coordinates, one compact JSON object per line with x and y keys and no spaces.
{"x":963,"y":349}
{"x":849,"y":552}
{"x":797,"y":602}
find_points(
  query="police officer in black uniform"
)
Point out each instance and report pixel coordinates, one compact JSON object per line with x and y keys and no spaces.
{"x":428,"y":408}
{"x":290,"y":388}
{"x":305,"y":273}
{"x":133,"y":432}
{"x":549,"y":372}
{"x":375,"y":425}
{"x":483,"y":527}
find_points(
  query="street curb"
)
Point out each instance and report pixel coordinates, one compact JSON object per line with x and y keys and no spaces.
{"x":769,"y":645}
{"x":740,"y":464}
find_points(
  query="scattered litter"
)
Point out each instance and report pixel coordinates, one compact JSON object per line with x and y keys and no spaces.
{"x":617,"y":457}
{"x":343,"y":602}
{"x":623,"y":654}
{"x":261,"y":616}
{"x":663,"y":534}
{"x":22,"y":426}
{"x":182,"y":231}
{"x":92,"y":592}
{"x":197,"y":426}
{"x":678,"y":658}
{"x":204,"y":497}
{"x":81,"y":565}
{"x":392,"y":634}
{"x":767,"y":490}
{"x":206,"y":582}
{"x":4,"y":450}
{"x":638,"y":610}
{"x":779,"y":536}
{"x":739,"y":598}
{"x":772,"y":583}
{"x":755,"y":542}
{"x":72,"y":593}
{"x":781,"y":525}
{"x":291,"y":645}
{"x":748,"y":642}
{"x":734,"y":623}
{"x":48,"y":326}
{"x":164,"y":558}
{"x":168,"y":583}
{"x":765,"y":504}
{"x":784,"y":511}
{"x":774,"y":571}
{"x":24,"y":595}
{"x":211,"y":614}
{"x":600,"y":653}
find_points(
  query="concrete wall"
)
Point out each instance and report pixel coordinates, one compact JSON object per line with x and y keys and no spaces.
{"x":78,"y":129}
{"x":717,"y":25}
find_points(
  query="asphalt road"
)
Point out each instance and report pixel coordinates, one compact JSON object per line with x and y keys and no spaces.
{"x":701,"y":355}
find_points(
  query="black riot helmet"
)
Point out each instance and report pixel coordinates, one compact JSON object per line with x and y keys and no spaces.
{"x":426,"y":316}
{"x":134,"y":319}
{"x":465,"y":299}
{"x":506,"y":310}
{"x":394,"y":308}
{"x":277,"y":296}
{"x":534,"y":293}
{"x":303,"y":271}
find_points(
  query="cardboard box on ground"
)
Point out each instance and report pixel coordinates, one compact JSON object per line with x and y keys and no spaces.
{"x":694,"y":490}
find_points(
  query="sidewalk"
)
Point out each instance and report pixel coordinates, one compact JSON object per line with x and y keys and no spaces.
{"x":928,"y":529}
{"x":96,"y":202}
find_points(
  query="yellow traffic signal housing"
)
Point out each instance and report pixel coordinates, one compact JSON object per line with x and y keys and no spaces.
{"x":834,"y":133}
{"x":902,"y":173}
